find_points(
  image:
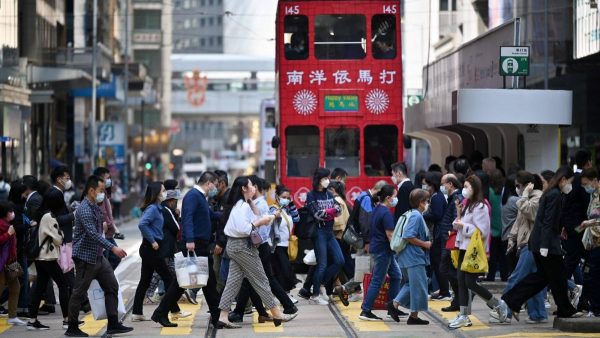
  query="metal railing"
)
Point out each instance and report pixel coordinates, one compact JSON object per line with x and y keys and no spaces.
{"x":13,"y":77}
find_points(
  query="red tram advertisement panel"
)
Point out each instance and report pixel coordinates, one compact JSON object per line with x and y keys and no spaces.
{"x":339,"y":97}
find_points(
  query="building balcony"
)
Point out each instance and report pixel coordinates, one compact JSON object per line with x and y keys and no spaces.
{"x":147,"y":4}
{"x":79,"y":58}
{"x":147,"y":37}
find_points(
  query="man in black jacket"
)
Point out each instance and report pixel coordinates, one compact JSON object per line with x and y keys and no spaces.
{"x":574,"y":211}
{"x":405,"y":186}
{"x":33,"y":199}
{"x":451,"y":186}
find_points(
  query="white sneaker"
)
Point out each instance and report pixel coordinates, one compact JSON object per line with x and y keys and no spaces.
{"x":156,"y":297}
{"x":180,"y":314}
{"x":294,"y":300}
{"x":318,"y":301}
{"x":139,"y":318}
{"x":502,"y":310}
{"x":16,"y":322}
{"x":355,"y":297}
{"x":460,"y":321}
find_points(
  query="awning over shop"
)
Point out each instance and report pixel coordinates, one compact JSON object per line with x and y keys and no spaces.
{"x":67,"y":76}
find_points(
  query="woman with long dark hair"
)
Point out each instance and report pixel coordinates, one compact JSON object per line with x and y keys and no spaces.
{"x":545,"y":244}
{"x":245,"y":260}
{"x":323,"y":207}
{"x":473,"y":216}
{"x":8,"y":242}
{"x":151,"y":226}
{"x":283,"y":229}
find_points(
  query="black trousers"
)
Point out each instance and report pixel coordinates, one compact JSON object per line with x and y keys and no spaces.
{"x":264,"y":252}
{"x":551,"y":271}
{"x":591,"y":280}
{"x":448,"y":272}
{"x":498,"y":260}
{"x":575,"y":252}
{"x":468,"y":281}
{"x":49,"y":271}
{"x":211,"y":294}
{"x":151,"y":261}
{"x":438,"y":247}
{"x":282,"y":268}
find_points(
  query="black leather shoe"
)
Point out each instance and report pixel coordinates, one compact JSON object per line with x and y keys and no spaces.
{"x":163,"y":321}
{"x":119,"y":328}
{"x":235,"y":318}
{"x":74,"y":331}
{"x":290,"y":311}
{"x":450,"y":309}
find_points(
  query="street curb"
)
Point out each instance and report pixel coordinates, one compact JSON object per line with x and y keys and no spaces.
{"x":580,"y":325}
{"x":342,"y":321}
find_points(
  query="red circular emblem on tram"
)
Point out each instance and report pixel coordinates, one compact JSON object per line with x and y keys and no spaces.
{"x":353,"y":193}
{"x":196,"y":85}
{"x":300,"y":196}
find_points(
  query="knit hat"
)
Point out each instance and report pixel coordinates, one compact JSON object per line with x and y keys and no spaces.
{"x":173,"y":194}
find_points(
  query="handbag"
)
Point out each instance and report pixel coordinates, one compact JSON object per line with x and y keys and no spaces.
{"x":293,"y":241}
{"x":451,"y":242}
{"x":255,"y":238}
{"x":65,"y":258}
{"x":14,"y":270}
{"x":352,"y":238}
{"x":475,"y":260}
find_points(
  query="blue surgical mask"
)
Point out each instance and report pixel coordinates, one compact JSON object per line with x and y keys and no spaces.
{"x":108,"y":183}
{"x":100,"y":198}
{"x":213,"y":192}
{"x":284,"y":202}
{"x":443,"y":189}
{"x":589,"y":189}
{"x":394,"y":202}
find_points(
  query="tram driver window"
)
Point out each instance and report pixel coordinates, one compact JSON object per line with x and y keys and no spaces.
{"x":381,"y":149}
{"x":342,"y":146}
{"x":383,"y":39}
{"x":340,"y":37}
{"x":302,"y":150}
{"x":295,"y":37}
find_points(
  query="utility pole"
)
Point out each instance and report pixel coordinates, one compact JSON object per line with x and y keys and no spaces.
{"x":143,"y":180}
{"x":126,"y":69}
{"x":545,"y":44}
{"x":94,"y":71}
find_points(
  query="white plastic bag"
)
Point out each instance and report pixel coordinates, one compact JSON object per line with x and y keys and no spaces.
{"x":310,"y":258}
{"x":192,"y":271}
{"x":97,"y":302}
{"x":362,"y":265}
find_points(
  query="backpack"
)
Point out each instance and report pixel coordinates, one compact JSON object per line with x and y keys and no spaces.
{"x":398,"y":243}
{"x":32,"y":244}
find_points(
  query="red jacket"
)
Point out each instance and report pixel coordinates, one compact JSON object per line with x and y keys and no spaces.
{"x":4,"y":237}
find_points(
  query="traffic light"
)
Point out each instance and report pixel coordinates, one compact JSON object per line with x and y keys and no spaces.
{"x":148,"y":165}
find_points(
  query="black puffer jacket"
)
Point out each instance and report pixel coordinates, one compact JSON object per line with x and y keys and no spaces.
{"x":546,"y":231}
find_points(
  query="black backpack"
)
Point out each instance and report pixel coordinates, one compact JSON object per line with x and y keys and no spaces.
{"x":32,"y":245}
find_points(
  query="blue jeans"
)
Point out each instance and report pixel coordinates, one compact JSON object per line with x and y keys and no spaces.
{"x":23,"y":304}
{"x":413,"y":294}
{"x":383,"y":263}
{"x":224,"y":271}
{"x":525,"y":266}
{"x":325,"y":244}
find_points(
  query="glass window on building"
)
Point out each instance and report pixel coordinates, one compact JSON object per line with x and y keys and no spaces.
{"x":219,"y":41}
{"x":186,"y":4}
{"x":211,"y":21}
{"x":202,"y":42}
{"x":295,"y":37}
{"x":444,"y":5}
{"x":211,"y":41}
{"x":302,"y":150}
{"x":147,"y":19}
{"x":381,"y":149}
{"x":340,"y":37}
{"x":383,"y":31}
{"x":342,"y":149}
{"x":220,"y":21}
{"x":186,"y":23}
{"x":202,"y":22}
{"x":211,"y":2}
{"x":202,"y":3}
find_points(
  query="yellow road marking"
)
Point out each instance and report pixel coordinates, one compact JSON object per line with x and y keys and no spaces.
{"x":437,"y":307}
{"x":4,"y":325}
{"x":184,"y":324}
{"x":544,"y":334}
{"x":266,"y":327}
{"x":352,"y":311}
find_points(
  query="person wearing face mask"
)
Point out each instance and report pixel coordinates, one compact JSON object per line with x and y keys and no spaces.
{"x":404,"y":186}
{"x":90,"y":263}
{"x":433,"y":215}
{"x":197,"y":232}
{"x":473,"y":215}
{"x":591,"y":230}
{"x":152,"y":228}
{"x":414,"y":259}
{"x":282,"y":268}
{"x":106,"y":207}
{"x":8,"y":241}
{"x":545,"y":244}
{"x":323,"y":207}
{"x":382,"y":228}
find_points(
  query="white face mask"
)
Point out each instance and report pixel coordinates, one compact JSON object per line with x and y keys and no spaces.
{"x":466,"y":192}
{"x":566,"y":189}
{"x":443,"y":189}
{"x":163,"y":196}
{"x":426,"y":206}
{"x":425,"y":187}
{"x":395,"y":179}
{"x":518,"y":192}
{"x":325,"y":184}
{"x":68,"y":185}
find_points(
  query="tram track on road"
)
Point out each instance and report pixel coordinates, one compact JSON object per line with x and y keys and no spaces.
{"x":342,"y":321}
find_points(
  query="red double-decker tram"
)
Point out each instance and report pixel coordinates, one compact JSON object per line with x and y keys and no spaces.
{"x":339,"y":98}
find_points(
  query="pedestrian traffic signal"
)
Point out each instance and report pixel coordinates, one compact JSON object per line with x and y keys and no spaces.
{"x":148,"y":166}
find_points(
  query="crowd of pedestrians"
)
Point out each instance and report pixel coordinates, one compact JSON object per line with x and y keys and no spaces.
{"x":439,"y":237}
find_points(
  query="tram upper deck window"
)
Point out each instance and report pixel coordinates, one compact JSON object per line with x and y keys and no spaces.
{"x":302,"y":150}
{"x":381,"y":149}
{"x":340,"y":37}
{"x":342,"y":147}
{"x":295,"y":37}
{"x":383,"y":28}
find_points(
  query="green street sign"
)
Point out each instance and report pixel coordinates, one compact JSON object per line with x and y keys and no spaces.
{"x":514,"y":61}
{"x":414,"y":99}
{"x":341,"y":103}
